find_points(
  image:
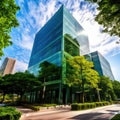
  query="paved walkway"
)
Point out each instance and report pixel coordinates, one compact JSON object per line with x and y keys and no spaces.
{"x":24,"y":110}
{"x":44,"y":109}
{"x":101,"y":113}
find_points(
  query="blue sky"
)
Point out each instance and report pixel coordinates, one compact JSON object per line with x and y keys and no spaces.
{"x":35,"y":13}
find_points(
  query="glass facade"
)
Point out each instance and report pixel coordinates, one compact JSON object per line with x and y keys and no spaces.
{"x":101,"y":65}
{"x":50,"y":41}
{"x":47,"y":44}
{"x":61,"y":35}
{"x":75,"y":30}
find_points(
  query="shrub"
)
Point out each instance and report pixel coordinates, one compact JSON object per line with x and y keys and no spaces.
{"x":37,"y":107}
{"x":33,"y":107}
{"x":75,"y":106}
{"x":98,"y":104}
{"x":116,"y":102}
{"x":116,"y":117}
{"x":84,"y":106}
{"x":92,"y":105}
{"x":48,"y":105}
{"x":9,"y":113}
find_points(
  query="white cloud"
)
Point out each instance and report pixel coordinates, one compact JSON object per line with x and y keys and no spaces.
{"x":27,"y":41}
{"x":39,"y":13}
{"x":20,"y":66}
{"x":32,"y":20}
{"x":24,"y":39}
{"x":97,"y":40}
{"x":109,"y":46}
{"x":35,"y":13}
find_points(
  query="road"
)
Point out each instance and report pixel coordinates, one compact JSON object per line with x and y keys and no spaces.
{"x":101,"y":113}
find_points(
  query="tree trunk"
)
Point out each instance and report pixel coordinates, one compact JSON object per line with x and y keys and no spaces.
{"x":21,"y":96}
{"x":44,"y":89}
{"x":60,"y":95}
{"x":98,"y":94}
{"x":12,"y":97}
{"x":83,"y":92}
{"x":71,"y":95}
{"x":3,"y":98}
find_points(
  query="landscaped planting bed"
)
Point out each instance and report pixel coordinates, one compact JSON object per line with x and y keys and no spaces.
{"x":9,"y":113}
{"x":84,"y":106}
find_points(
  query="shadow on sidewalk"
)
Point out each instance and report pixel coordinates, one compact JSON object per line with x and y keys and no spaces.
{"x":92,"y":116}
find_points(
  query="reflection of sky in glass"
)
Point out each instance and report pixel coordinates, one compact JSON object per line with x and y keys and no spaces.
{"x":72,"y":27}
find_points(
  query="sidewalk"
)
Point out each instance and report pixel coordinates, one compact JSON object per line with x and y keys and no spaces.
{"x":44,"y":109}
{"x":29,"y":112}
{"x":107,"y":111}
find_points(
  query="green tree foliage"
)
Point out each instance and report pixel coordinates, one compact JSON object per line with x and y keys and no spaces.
{"x":25,"y":82}
{"x":109,"y":15}
{"x":1,"y":88}
{"x":44,"y":74}
{"x":80,"y":72}
{"x":19,"y":83}
{"x":7,"y":85}
{"x":8,"y":10}
{"x":48,"y":72}
{"x":116,"y":87}
{"x":106,"y":87}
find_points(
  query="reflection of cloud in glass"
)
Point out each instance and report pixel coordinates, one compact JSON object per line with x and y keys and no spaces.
{"x":83,"y":33}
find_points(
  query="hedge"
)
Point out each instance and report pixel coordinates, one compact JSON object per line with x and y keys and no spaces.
{"x":48,"y":105}
{"x":98,"y":104}
{"x":116,"y":102}
{"x":37,"y":107}
{"x":84,"y":106}
{"x":33,"y":107}
{"x":9,"y":113}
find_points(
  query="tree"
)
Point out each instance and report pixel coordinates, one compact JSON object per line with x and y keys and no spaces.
{"x":106,"y":87}
{"x":116,"y":88}
{"x":48,"y":72}
{"x":109,"y":15}
{"x":8,"y":10}
{"x":25,"y":83}
{"x":20,"y":83}
{"x":1,"y":89}
{"x":1,"y":80}
{"x":80,"y":72}
{"x":7,"y":85}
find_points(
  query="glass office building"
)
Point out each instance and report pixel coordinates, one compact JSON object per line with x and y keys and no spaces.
{"x":101,"y":65}
{"x":49,"y":41}
{"x":61,"y":36}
